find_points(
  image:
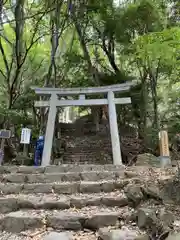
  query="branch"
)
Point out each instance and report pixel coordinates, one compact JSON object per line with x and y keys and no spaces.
{"x":1,"y":71}
{"x":157,"y":69}
{"x":19,"y":69}
{"x":29,"y":17}
{"x":55,"y":26}
{"x":4,"y":57}
{"x":108,"y":50}
{"x":8,"y":21}
{"x":6,"y":39}
{"x":19,"y":66}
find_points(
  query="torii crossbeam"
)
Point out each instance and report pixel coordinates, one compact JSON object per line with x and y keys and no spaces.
{"x":54,"y":102}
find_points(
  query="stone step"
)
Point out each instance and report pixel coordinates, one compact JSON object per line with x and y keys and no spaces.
{"x":60,"y":169}
{"x":10,"y":203}
{"x":125,"y":233}
{"x":66,"y":187}
{"x":61,"y":177}
{"x":43,"y":234}
{"x":72,"y":219}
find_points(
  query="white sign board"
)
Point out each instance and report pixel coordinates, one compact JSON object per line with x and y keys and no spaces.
{"x":25,"y":135}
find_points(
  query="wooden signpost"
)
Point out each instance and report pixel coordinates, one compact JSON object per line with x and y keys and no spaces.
{"x":25,"y":139}
{"x":4,"y":134}
{"x":164,"y":148}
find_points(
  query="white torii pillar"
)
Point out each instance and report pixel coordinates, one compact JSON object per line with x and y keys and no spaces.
{"x":49,"y":131}
{"x":116,"y":151}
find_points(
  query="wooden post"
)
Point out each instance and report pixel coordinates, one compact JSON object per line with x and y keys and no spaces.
{"x":4,"y":134}
{"x":25,"y":140}
{"x":46,"y":159}
{"x":25,"y":150}
{"x":164,"y":148}
{"x":2,"y":151}
{"x":117,"y":159}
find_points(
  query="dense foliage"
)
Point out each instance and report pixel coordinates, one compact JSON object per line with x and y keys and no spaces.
{"x":84,"y":43}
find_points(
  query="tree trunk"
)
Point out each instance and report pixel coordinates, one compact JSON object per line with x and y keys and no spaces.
{"x":143,"y":108}
{"x":153,"y":82}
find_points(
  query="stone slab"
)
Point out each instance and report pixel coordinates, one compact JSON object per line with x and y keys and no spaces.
{"x":57,"y":236}
{"x":10,"y":188}
{"x":19,"y":221}
{"x":123,"y":234}
{"x":8,"y":205}
{"x":38,"y":188}
{"x":63,"y":187}
{"x":61,"y":177}
{"x":60,"y":169}
{"x":101,"y":220}
{"x":65,"y":221}
{"x":61,"y":202}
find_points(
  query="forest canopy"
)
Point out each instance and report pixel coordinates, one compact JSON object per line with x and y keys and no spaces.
{"x":67,"y":43}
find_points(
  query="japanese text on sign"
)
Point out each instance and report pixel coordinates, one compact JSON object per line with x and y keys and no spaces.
{"x":25,"y":136}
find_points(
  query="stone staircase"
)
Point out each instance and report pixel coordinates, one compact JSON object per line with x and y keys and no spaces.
{"x":70,"y":202}
{"x":85,"y":145}
{"x":88,"y":150}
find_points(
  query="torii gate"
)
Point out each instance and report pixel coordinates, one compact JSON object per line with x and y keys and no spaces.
{"x":54,"y":102}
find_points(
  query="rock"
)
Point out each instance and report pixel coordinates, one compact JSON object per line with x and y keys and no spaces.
{"x":17,"y":222}
{"x":166,"y":217}
{"x":101,"y":220}
{"x":90,"y":187}
{"x":124,"y":234}
{"x":130,"y":174}
{"x":134,"y":193}
{"x":67,"y":168}
{"x":108,"y":175}
{"x":8,"y":205}
{"x":82,"y":168}
{"x":49,"y":203}
{"x":89,"y":176}
{"x":80,"y":202}
{"x":142,"y":237}
{"x":147,"y":159}
{"x":66,"y":188}
{"x":11,"y":188}
{"x":70,"y":177}
{"x":121,"y":201}
{"x":38,"y":188}
{"x":65,"y":221}
{"x":58,"y":236}
{"x":96,"y":176}
{"x":108,"y":186}
{"x":146,"y":217}
{"x":4,"y":170}
{"x":120,"y":184}
{"x":53,"y":177}
{"x":26,"y":204}
{"x":152,"y":191}
{"x":170,"y":192}
{"x":15,"y":178}
{"x":111,"y":167}
{"x":174,"y":236}
{"x":131,"y":216}
{"x":30,"y":169}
